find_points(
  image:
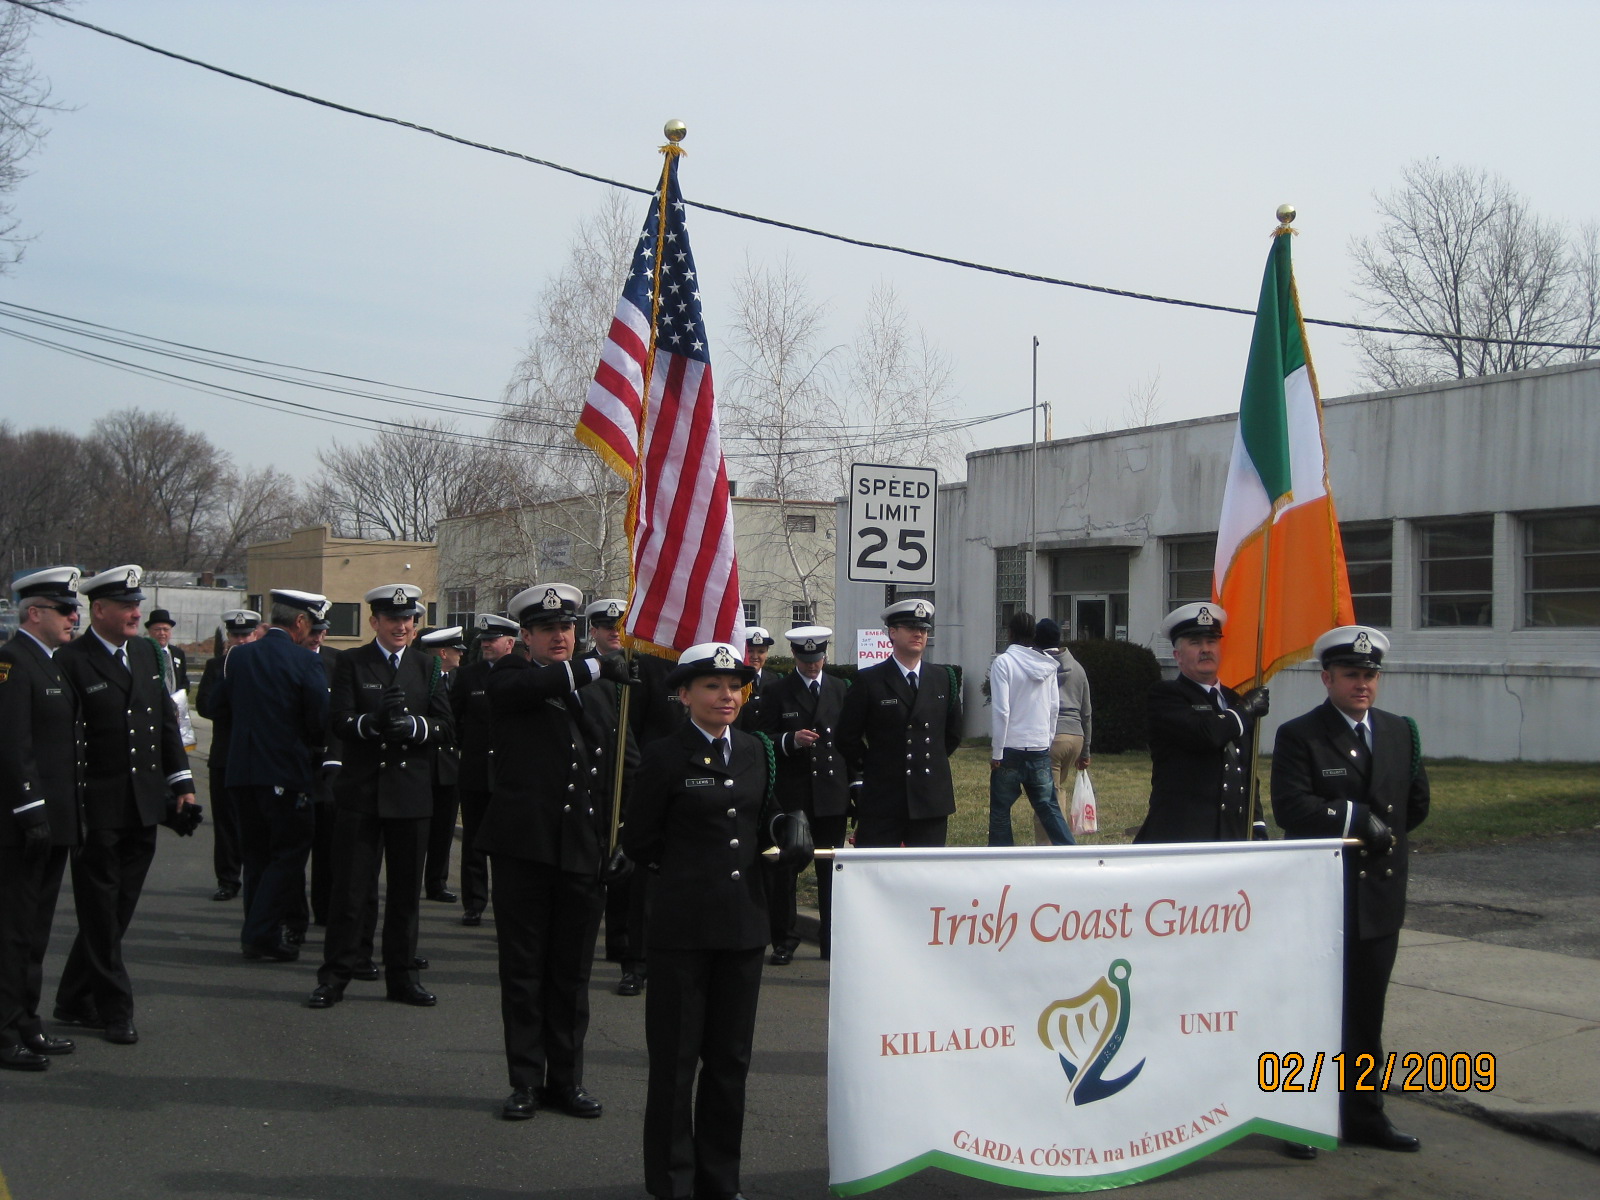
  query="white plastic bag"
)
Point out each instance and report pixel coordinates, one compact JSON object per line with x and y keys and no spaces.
{"x":180,"y":701}
{"x":1084,"y":818}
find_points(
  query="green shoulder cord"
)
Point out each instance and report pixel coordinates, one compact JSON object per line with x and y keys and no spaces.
{"x":772,"y":767}
{"x":955,"y":688}
{"x":433,"y":674}
{"x":1416,"y":747}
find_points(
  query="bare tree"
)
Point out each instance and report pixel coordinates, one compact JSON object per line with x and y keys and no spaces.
{"x":1140,"y":407}
{"x":24,"y":98}
{"x":261,"y":505}
{"x":41,"y":494}
{"x":1461,"y":256}
{"x":400,"y":484}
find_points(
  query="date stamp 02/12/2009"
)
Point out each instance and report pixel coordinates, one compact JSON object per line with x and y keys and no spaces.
{"x":1411,"y":1071}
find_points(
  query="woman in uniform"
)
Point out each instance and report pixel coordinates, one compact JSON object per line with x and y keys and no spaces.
{"x":699,"y":819}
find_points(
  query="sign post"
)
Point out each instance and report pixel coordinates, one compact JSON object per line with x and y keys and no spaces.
{"x":892,"y":512}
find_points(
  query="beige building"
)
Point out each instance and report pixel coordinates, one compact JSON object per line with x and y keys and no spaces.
{"x":785,"y":548}
{"x":343,"y":570}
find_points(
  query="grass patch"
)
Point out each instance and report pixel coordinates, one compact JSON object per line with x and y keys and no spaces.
{"x":1474,"y":803}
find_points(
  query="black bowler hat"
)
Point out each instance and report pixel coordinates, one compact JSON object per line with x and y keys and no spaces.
{"x":159,"y":616}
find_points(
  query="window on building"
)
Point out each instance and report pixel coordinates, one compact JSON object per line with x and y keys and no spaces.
{"x":1457,"y":573}
{"x":752,"y":612}
{"x":1369,"y":554}
{"x":1089,"y":593}
{"x":803,"y":612}
{"x":1010,"y":588}
{"x":800,"y":522}
{"x":1189,"y":563}
{"x":1561,"y":570}
{"x":254,"y":604}
{"x":433,"y":612}
{"x":460,"y":606}
{"x":344,"y":620}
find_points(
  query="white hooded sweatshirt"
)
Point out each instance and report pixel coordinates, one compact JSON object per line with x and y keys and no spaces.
{"x":1024,"y":700}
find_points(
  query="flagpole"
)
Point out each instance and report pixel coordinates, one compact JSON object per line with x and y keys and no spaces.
{"x":1286,"y":215}
{"x":674,"y":131}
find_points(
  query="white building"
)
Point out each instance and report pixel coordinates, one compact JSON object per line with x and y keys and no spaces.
{"x":1471,"y":517}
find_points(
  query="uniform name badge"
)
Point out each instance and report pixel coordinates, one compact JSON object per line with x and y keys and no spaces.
{"x":705,"y":781}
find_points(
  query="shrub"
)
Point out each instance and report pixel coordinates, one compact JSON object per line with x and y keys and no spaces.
{"x":1120,"y":677}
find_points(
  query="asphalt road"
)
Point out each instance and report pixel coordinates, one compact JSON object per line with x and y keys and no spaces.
{"x":237,"y":1090}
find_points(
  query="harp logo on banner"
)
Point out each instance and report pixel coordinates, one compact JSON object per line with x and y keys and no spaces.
{"x":1087,"y":1030}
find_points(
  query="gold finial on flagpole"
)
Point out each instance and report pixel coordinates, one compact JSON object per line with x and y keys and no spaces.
{"x":1286,"y":214}
{"x":675,"y":131}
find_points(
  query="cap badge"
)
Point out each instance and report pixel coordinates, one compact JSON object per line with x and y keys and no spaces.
{"x":1362,"y":644}
{"x":72,"y":580}
{"x":320,"y":609}
{"x":613,"y":610}
{"x":1204,"y":617}
{"x":810,"y":644}
{"x":133,"y":577}
{"x":400,"y":595}
{"x":920,"y":611}
{"x":551,"y":600}
{"x":722,"y":660}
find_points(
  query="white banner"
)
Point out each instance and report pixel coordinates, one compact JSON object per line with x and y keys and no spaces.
{"x":1076,"y":1018}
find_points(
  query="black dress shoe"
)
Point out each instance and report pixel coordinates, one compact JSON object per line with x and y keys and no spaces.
{"x":519,"y":1106}
{"x":1384,"y":1137}
{"x":226,"y":892}
{"x":325,"y":995}
{"x":470,"y":918}
{"x":1300,"y":1150}
{"x":82,"y":1019}
{"x":295,"y":937}
{"x":121,"y":1033}
{"x":412,"y":993}
{"x":276,"y":951}
{"x":20,"y":1058}
{"x":443,"y":895}
{"x":366,"y":970}
{"x":419,"y":963}
{"x":781,"y":956}
{"x":631,"y":984}
{"x":43,"y":1043}
{"x":573,"y":1101}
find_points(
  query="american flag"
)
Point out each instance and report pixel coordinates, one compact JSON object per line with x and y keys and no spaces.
{"x":685,"y":578}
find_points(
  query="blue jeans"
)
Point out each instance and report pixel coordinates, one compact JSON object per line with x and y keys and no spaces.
{"x":1024,"y":770}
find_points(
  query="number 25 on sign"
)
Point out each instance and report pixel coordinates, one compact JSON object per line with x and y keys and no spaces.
{"x":892,"y":523}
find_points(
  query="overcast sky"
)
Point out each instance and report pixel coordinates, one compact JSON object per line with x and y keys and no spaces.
{"x":1135,"y":145}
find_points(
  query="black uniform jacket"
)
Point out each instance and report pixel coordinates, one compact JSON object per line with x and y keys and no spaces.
{"x":136,"y":761}
{"x":205,"y":703}
{"x":322,"y":788}
{"x":1199,"y":767}
{"x":750,"y":718}
{"x":554,"y":751}
{"x":814,"y":779}
{"x":275,"y":695}
{"x":1319,"y":789}
{"x":180,"y":666}
{"x":699,"y":827}
{"x":469,"y":704}
{"x":447,"y":754}
{"x":654,"y":710}
{"x":41,"y":746}
{"x":380,"y":778}
{"x":896,"y":745}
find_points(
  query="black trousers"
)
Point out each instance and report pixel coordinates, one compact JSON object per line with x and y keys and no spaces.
{"x":361,"y":844}
{"x":626,"y":911}
{"x":546,"y":921}
{"x":888,"y":823}
{"x":1368,"y":963}
{"x":826,"y":833}
{"x":108,"y":873}
{"x":321,"y":860}
{"x":474,"y":862}
{"x":227,"y":859}
{"x":276,"y":827}
{"x":441,"y":836}
{"x":700,"y":1012}
{"x":28,"y":892}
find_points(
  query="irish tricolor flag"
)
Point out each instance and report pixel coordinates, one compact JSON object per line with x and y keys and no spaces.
{"x":1280,"y":563}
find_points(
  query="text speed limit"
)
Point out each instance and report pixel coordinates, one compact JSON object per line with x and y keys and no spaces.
{"x":892,"y":524}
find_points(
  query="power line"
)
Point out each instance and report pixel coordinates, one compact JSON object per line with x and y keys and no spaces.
{"x":925,"y":255}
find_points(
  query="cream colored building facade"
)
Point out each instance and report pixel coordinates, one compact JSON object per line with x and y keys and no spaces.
{"x":342,"y":569}
{"x":785,"y":549}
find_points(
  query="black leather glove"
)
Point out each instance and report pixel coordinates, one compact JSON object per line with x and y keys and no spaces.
{"x":1258,"y":832}
{"x":396,"y":727}
{"x":1376,"y":835}
{"x":36,"y":842}
{"x":852,"y":804}
{"x":618,"y":866}
{"x":184,"y":821}
{"x":791,"y":834}
{"x":619,"y":668}
{"x":1255,"y":702}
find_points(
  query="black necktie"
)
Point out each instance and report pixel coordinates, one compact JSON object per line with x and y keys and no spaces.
{"x":122,"y":659}
{"x":911,"y":681}
{"x":394,"y":660}
{"x":720,"y":747}
{"x":816,"y":688}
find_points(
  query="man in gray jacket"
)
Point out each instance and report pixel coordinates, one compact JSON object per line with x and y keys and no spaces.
{"x":1069,"y":751}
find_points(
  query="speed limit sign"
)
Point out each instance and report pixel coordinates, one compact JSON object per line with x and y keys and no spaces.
{"x":891,"y":524}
